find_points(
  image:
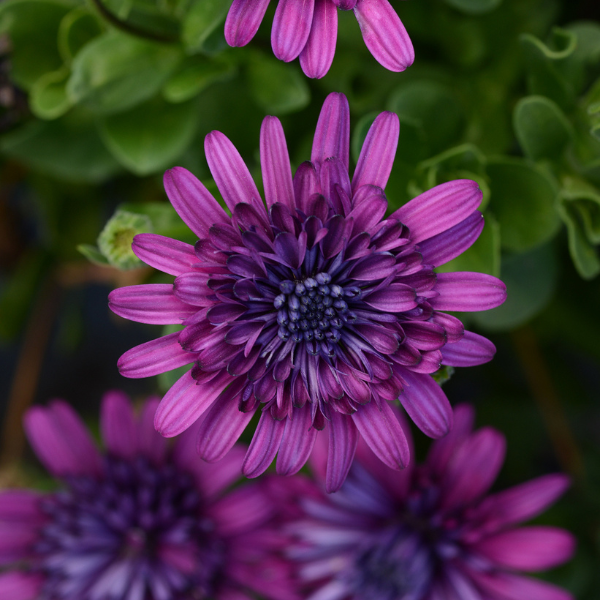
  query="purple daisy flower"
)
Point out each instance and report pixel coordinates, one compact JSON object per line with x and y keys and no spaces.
{"x":145,"y":521}
{"x":316,"y":307}
{"x":308,"y":28}
{"x":430,"y":532}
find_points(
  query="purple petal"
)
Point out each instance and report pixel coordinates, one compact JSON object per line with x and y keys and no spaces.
{"x":376,"y":266}
{"x":425,"y":335}
{"x":439,"y":208}
{"x":192,"y":201}
{"x":333,"y":172}
{"x":152,"y":445}
{"x":453,"y":327}
{"x":332,"y":136}
{"x":243,"y":20}
{"x":369,"y":213}
{"x":343,"y":437}
{"x":471,"y":350}
{"x":264,"y":446}
{"x":306,"y":184}
{"x":186,"y":401}
{"x":15,"y":585}
{"x":152,"y":303}
{"x":396,"y":297}
{"x":345,"y":4}
{"x":245,"y":266}
{"x":443,"y":247}
{"x":163,"y":253}
{"x":426,"y":404}
{"x":507,"y":586}
{"x":378,"y":151}
{"x":384,"y":34}
{"x":154,"y":357}
{"x":383,"y":339}
{"x":229,"y":171}
{"x":225,"y":313}
{"x":117,"y":425}
{"x":338,"y":235}
{"x":317,"y":55}
{"x":275,"y":164}
{"x":383,"y":433}
{"x":287,"y":248}
{"x":21,"y":505}
{"x":466,"y":291}
{"x":291,"y":28}
{"x":297,"y":442}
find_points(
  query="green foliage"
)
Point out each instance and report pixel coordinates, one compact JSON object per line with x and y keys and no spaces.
{"x":201,"y":21}
{"x":475,"y":7}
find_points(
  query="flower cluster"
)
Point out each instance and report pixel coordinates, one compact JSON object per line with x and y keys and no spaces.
{"x":308,"y":28}
{"x":317,"y":306}
{"x":144,"y":521}
{"x":430,"y":532}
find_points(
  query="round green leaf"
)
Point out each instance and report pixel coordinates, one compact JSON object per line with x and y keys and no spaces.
{"x":523,"y":199}
{"x":195,"y":75}
{"x":77,"y":28}
{"x":474,"y":7}
{"x":48,"y":98}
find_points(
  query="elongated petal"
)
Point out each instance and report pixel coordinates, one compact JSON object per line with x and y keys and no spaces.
{"x":378,"y":151}
{"x":332,"y":136}
{"x":528,"y":548}
{"x":471,"y":350}
{"x":396,"y":297}
{"x":466,"y":291}
{"x":443,"y":247}
{"x":186,"y":401}
{"x":163,"y":253}
{"x":154,"y":357}
{"x":506,"y":586}
{"x":384,"y":34}
{"x":275,"y":164}
{"x":151,"y":443}
{"x":439,"y":208}
{"x":369,"y":213}
{"x":297,"y":442}
{"x":426,"y":404}
{"x":152,"y":303}
{"x":306,"y":184}
{"x":383,"y":433}
{"x":118,"y":426}
{"x":243,"y":20}
{"x":343,"y":437}
{"x":317,"y":55}
{"x":291,"y":28}
{"x":15,"y":585}
{"x":21,"y":505}
{"x":229,"y":170}
{"x":192,"y":201}
{"x":264,"y":446}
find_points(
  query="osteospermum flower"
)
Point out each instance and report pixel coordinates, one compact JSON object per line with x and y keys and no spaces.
{"x":144,"y":521}
{"x":316,"y":307}
{"x":430,"y":532}
{"x":308,"y":28}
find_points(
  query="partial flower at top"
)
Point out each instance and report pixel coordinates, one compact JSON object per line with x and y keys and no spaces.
{"x":144,"y":521}
{"x":316,"y":307}
{"x":308,"y":28}
{"x":430,"y":532}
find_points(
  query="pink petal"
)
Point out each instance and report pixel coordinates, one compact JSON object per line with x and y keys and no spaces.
{"x":264,"y":446}
{"x":163,"y":253}
{"x":466,"y":291}
{"x":384,"y":34}
{"x":317,"y":55}
{"x":275,"y":164}
{"x":471,"y":350}
{"x":343,"y":437}
{"x":439,"y":208}
{"x":154,"y":357}
{"x":297,"y":442}
{"x":395,"y":297}
{"x":506,"y":586}
{"x":21,"y":505}
{"x":377,"y":153}
{"x":291,"y":28}
{"x":151,"y":443}
{"x":306,"y":184}
{"x":15,"y":585}
{"x":369,"y":213}
{"x":152,"y":303}
{"x":243,"y":20}
{"x":332,"y":135}
{"x":192,"y":201}
{"x":118,"y":426}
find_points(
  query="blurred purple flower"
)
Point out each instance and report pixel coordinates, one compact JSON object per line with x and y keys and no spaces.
{"x":429,"y":532}
{"x":145,"y":521}
{"x":308,"y":28}
{"x":316,"y":308}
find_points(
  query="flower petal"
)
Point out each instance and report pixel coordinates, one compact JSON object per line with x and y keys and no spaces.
{"x":466,"y":291}
{"x":317,"y":55}
{"x":275,"y":164}
{"x":151,"y":443}
{"x":264,"y":446}
{"x":306,"y":185}
{"x":506,"y":586}
{"x":15,"y":585}
{"x":396,"y":297}
{"x":243,"y":20}
{"x":332,"y":136}
{"x":118,"y":426}
{"x":291,"y":28}
{"x":471,"y":350}
{"x":297,"y":442}
{"x":163,"y":253}
{"x":343,"y":437}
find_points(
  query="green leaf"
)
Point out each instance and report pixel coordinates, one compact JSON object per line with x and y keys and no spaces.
{"x":201,"y":20}
{"x":77,"y":28}
{"x":531,"y":280}
{"x":93,"y":255}
{"x":278,"y":88}
{"x":67,"y":148}
{"x":48,"y":98}
{"x":523,"y":199}
{"x":164,"y":218}
{"x":151,"y":136}
{"x":541,"y":128}
{"x":115,"y":72}
{"x":32,"y":26}
{"x":195,"y":75}
{"x":474,"y":7}
{"x":483,"y":256}
{"x":586,"y":57}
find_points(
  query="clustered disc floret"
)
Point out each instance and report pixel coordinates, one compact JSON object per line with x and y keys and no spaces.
{"x":317,"y":306}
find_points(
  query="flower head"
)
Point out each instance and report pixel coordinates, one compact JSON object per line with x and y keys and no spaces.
{"x":145,"y":521}
{"x":430,"y":532}
{"x":309,"y":29}
{"x":317,"y":307}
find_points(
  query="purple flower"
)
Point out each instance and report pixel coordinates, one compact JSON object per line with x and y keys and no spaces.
{"x":429,"y":532}
{"x":145,"y":521}
{"x":308,"y":28}
{"x":315,"y":307}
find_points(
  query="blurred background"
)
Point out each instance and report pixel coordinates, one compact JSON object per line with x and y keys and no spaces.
{"x":98,"y":98}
